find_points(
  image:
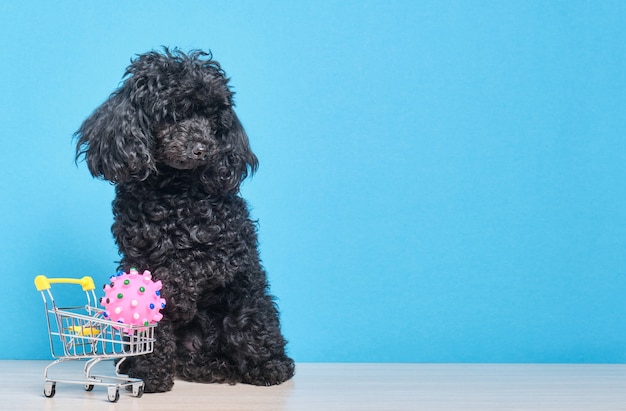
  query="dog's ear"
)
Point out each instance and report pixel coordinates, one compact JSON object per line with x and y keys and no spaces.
{"x":238,"y":161}
{"x":116,"y":141}
{"x":246,"y":160}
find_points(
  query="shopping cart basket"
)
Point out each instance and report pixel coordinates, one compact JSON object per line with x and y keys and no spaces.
{"x":82,"y":333}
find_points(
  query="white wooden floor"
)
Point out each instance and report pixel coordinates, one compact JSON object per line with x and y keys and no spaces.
{"x":322,"y":387}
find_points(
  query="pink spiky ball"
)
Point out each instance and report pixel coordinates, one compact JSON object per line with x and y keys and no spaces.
{"x":133,"y":299}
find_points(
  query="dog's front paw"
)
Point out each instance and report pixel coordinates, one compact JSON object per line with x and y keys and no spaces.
{"x":152,"y":385}
{"x":154,"y":379}
{"x":273,"y":372}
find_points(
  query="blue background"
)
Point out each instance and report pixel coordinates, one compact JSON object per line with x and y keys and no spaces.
{"x":440,"y":181}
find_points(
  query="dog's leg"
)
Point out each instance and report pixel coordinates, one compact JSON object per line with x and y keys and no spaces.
{"x":243,"y":346}
{"x":199,"y":356}
{"x":157,"y":369}
{"x":255,"y":343}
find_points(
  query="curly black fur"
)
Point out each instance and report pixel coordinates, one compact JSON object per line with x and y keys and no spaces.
{"x":170,"y":141}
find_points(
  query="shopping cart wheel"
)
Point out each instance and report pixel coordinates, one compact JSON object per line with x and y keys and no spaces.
{"x":138,"y":390}
{"x":49,"y":389}
{"x":113,"y":394}
{"x":88,"y":387}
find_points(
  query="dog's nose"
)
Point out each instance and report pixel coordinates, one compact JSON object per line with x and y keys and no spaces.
{"x":199,"y":151}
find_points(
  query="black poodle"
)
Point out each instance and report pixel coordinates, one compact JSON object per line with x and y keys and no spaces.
{"x":169,"y":140}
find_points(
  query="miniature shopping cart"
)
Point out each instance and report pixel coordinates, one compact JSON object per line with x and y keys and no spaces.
{"x":82,"y":333}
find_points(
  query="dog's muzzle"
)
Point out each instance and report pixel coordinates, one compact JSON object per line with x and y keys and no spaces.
{"x":199,"y":152}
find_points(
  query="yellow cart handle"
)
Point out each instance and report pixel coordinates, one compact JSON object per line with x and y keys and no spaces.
{"x":43,"y":283}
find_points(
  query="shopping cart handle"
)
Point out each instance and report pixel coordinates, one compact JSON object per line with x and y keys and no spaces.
{"x":43,"y":283}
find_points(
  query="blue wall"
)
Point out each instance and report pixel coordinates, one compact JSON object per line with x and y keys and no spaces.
{"x":440,"y":181}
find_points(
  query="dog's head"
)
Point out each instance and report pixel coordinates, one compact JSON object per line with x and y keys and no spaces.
{"x":172,"y":113}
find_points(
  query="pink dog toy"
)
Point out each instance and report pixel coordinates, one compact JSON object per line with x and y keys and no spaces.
{"x":133,"y":299}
